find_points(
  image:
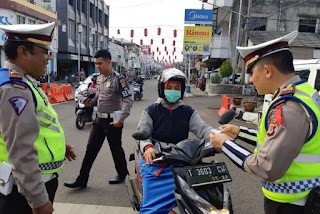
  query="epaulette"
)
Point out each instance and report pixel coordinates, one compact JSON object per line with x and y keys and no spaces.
{"x":278,"y":103}
{"x":13,"y":74}
{"x":289,"y":89}
{"x":117,"y":74}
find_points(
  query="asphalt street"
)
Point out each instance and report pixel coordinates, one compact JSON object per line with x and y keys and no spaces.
{"x":245,"y":189}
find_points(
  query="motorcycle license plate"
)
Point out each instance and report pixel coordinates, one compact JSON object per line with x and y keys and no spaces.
{"x":207,"y":174}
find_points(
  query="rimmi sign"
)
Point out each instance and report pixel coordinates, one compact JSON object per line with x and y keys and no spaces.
{"x":197,"y":33}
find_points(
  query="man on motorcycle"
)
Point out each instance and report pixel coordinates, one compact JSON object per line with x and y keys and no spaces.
{"x":168,"y":120}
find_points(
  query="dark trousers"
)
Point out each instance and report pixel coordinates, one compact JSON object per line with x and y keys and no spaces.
{"x":101,"y":128}
{"x":273,"y":207}
{"x":15,"y":203}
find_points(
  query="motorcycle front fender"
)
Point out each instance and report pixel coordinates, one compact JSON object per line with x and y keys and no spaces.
{"x":80,"y":111}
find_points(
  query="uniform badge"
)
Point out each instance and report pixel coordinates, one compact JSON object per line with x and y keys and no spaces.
{"x":271,"y":129}
{"x":108,"y":84}
{"x":18,"y":104}
{"x":13,"y":74}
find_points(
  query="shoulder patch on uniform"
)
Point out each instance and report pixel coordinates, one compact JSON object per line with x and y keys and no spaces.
{"x":124,"y":87}
{"x":271,"y":129}
{"x":289,"y":89}
{"x":13,"y":74}
{"x":21,"y":84}
{"x":18,"y":104}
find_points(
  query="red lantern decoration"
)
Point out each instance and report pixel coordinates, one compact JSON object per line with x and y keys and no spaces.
{"x":167,"y":53}
{"x":157,"y":49}
{"x":145,"y":32}
{"x":132,"y":33}
{"x":174,"y":49}
{"x":151,"y":41}
{"x":159,"y":31}
{"x":169,"y":57}
{"x":172,"y":52}
{"x":159,"y":52}
{"x":165,"y":48}
{"x":175,"y":57}
{"x":174,"y":43}
{"x":152,"y":53}
{"x":162,"y":41}
{"x":174,"y":33}
{"x":141,"y":42}
{"x":157,"y":58}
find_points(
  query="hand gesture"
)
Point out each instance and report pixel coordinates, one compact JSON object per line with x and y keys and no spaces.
{"x":70,"y":154}
{"x":116,"y":124}
{"x":230,"y":130}
{"x":217,"y":141}
{"x":149,"y":155}
{"x":87,"y":102}
{"x":47,"y":208}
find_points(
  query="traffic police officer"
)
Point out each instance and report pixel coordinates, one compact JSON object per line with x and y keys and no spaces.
{"x":287,"y":156}
{"x":31,"y":137}
{"x":114,"y":102}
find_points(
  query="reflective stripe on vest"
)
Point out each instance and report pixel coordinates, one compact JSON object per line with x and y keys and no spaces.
{"x":304,"y":172}
{"x":291,"y":187}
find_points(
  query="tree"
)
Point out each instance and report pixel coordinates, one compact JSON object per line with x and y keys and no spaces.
{"x":226,"y":69}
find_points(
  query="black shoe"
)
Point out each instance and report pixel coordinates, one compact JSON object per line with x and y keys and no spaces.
{"x":76,"y":184}
{"x":118,"y":179}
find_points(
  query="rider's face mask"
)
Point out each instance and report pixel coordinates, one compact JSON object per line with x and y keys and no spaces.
{"x":172,"y":91}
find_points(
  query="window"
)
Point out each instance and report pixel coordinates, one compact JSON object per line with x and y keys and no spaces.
{"x":46,"y":0}
{"x":303,"y":74}
{"x":31,"y":21}
{"x":21,"y":19}
{"x":31,"y":1}
{"x":307,"y":25}
{"x":317,"y":82}
{"x":100,"y":16}
{"x":84,"y":35}
{"x":258,"y":23}
{"x":106,"y":20}
{"x":72,"y":29}
{"x":78,"y":4}
{"x":71,"y":2}
{"x":84,"y":6}
{"x":92,"y":11}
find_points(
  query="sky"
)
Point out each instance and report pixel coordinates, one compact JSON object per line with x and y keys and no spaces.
{"x":138,"y":15}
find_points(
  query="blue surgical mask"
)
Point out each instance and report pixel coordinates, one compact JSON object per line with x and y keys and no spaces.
{"x":172,"y":96}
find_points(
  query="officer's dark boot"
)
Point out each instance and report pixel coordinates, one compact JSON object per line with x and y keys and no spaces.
{"x":79,"y":183}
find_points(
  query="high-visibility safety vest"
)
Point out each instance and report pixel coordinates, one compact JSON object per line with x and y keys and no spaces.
{"x":304,"y":172}
{"x":50,"y":143}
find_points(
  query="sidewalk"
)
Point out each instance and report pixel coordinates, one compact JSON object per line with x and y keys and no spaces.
{"x":195,"y":92}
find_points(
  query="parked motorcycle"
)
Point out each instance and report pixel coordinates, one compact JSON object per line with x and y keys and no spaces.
{"x":137,"y":91}
{"x":84,"y":113}
{"x":201,"y":187}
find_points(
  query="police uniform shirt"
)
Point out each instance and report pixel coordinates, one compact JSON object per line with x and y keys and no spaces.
{"x":19,"y":126}
{"x":282,"y":143}
{"x":113,"y":94}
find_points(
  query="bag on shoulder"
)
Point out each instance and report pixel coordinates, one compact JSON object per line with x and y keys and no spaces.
{"x":313,"y":203}
{"x":6,"y":178}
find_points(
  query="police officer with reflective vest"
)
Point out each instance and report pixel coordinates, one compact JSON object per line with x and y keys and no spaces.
{"x":287,"y":156}
{"x":114,"y":102}
{"x":32,"y":140}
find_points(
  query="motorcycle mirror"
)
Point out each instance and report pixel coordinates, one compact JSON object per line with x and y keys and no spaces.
{"x":227,"y":117}
{"x":140,"y":135}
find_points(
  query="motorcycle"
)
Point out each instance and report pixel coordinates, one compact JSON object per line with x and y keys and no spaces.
{"x":201,"y":187}
{"x":137,"y":91}
{"x":84,"y":113}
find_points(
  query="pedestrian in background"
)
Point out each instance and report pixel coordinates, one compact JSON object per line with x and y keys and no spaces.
{"x":114,"y":102}
{"x":287,"y":156}
{"x":32,"y":141}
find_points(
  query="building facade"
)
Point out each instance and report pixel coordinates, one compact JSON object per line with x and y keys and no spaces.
{"x":84,"y":30}
{"x":29,"y":12}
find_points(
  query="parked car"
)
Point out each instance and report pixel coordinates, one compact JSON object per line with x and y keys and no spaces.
{"x":84,"y":86}
{"x":308,"y":70}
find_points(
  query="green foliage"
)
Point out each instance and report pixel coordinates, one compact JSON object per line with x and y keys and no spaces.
{"x":226,"y":69}
{"x":216,"y":79}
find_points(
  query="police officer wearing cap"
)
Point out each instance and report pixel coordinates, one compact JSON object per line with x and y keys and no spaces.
{"x":114,"y":102}
{"x":287,"y":156}
{"x":32,"y":140}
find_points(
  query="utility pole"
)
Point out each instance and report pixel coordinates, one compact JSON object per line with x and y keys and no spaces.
{"x":246,"y":35}
{"x":237,"y":42}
